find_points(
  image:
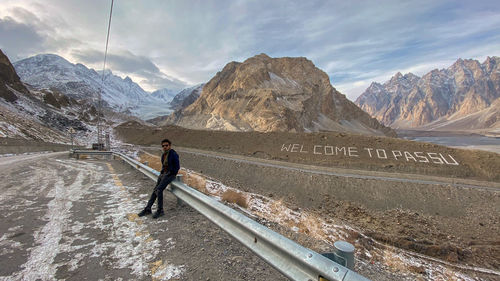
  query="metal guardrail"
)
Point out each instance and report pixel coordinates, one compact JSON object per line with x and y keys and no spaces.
{"x":293,"y":260}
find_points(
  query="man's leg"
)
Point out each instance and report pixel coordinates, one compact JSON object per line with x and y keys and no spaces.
{"x":152,"y":198}
{"x":160,"y":187}
{"x":151,"y":201}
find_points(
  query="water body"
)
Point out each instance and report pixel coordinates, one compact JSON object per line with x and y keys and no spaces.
{"x":467,"y":142}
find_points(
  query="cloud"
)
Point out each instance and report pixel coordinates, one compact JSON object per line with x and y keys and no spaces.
{"x":156,"y":42}
{"x":126,"y":63}
{"x":24,"y":33}
{"x":18,"y":39}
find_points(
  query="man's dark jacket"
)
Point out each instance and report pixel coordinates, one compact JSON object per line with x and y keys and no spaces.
{"x":171,"y":166}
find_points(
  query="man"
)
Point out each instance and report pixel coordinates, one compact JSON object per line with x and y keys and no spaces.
{"x":169,"y":169}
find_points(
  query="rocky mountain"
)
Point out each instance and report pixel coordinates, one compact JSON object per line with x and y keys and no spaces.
{"x":52,"y":72}
{"x":274,"y":94}
{"x":462,"y":97}
{"x":9,"y":80}
{"x":186,"y":97}
{"x":45,"y":115}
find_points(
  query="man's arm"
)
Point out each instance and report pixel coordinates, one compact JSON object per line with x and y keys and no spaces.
{"x":173,"y":165}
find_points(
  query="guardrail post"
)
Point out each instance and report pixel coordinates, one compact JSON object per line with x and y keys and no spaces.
{"x":179,"y":201}
{"x":343,"y":254}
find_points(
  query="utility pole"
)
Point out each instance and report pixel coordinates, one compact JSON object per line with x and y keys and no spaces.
{"x":100,"y":144}
{"x":71,"y":132}
{"x":99,"y":111}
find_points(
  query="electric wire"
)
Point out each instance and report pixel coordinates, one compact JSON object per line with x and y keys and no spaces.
{"x":99,"y":103}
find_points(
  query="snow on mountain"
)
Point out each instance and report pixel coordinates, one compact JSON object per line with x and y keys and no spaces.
{"x":186,"y":97}
{"x":48,"y":71}
{"x":165,"y":94}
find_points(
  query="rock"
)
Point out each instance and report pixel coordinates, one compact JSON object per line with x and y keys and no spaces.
{"x":274,"y":94}
{"x":462,"y":90}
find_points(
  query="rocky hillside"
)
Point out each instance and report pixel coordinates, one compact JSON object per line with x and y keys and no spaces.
{"x":274,"y":94}
{"x":45,"y":115}
{"x":461,"y":97}
{"x":52,"y":72}
{"x":9,"y":80}
{"x":186,"y":97}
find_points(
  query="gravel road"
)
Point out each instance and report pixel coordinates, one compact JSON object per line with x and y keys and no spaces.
{"x":75,"y":220}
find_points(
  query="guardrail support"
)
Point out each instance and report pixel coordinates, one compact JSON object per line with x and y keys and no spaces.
{"x":343,"y":254}
{"x":178,"y":178}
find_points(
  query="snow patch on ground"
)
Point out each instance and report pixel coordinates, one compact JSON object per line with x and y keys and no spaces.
{"x":384,"y":257}
{"x":168,"y":272}
{"x":125,"y":245}
{"x":40,"y":261}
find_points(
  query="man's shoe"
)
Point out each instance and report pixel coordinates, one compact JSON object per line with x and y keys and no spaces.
{"x":158,"y":214}
{"x":144,"y":212}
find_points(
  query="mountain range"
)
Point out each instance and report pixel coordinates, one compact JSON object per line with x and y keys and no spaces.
{"x":48,"y":71}
{"x":274,"y":94}
{"x":39,"y":115}
{"x":260,"y":94}
{"x":465,"y":96}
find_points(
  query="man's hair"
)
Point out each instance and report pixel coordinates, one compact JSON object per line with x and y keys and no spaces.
{"x":166,"y":140}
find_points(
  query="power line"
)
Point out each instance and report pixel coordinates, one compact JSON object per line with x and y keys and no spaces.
{"x":107,"y":40}
{"x":99,"y":103}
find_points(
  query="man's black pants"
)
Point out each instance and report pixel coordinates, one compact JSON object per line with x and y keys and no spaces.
{"x":161,"y":184}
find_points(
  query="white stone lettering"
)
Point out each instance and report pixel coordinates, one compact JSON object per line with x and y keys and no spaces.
{"x":455,"y":163}
{"x":315,"y":151}
{"x":396,"y":154}
{"x":328,"y":147}
{"x":285,"y":148}
{"x":341,"y":149}
{"x":434,"y":156}
{"x":353,"y":151}
{"x":408,"y":156}
{"x":422,"y":157}
{"x":384,"y":154}
{"x":369,"y":151}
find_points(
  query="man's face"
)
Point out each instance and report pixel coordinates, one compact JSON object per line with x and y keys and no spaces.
{"x":165,"y":146}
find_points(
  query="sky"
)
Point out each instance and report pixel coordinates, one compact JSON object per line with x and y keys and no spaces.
{"x":176,"y":43}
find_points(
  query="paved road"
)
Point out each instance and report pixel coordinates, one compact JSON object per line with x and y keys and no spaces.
{"x":70,"y":219}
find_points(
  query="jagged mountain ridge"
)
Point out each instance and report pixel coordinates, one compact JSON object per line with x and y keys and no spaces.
{"x":47,"y":115}
{"x":274,"y":94}
{"x":37,"y":115}
{"x":48,"y":71}
{"x":439,"y":98}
